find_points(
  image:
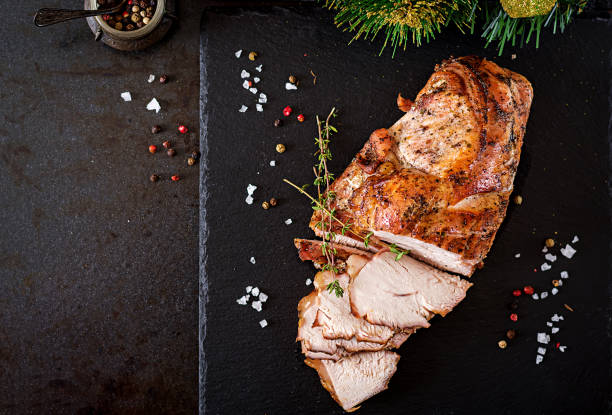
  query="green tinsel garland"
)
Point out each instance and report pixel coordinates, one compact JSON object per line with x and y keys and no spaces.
{"x":405,"y":21}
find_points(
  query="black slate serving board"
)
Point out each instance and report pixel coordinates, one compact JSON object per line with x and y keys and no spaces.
{"x":455,"y":366}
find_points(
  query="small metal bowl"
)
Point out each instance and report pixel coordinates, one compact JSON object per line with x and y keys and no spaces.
{"x":160,"y":11}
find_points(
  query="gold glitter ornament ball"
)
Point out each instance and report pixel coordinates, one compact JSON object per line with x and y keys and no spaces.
{"x":527,"y":8}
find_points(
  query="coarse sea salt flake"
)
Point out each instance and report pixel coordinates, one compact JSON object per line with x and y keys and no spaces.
{"x":289,"y":86}
{"x":154,"y":105}
{"x":549,"y":324}
{"x":517,"y":255}
{"x":539,"y":359}
{"x":554,"y":330}
{"x":568,"y":251}
{"x":242,"y":300}
{"x":550,"y":257}
{"x":151,"y":78}
{"x":263,"y":323}
{"x":535,"y":296}
{"x":238,"y":53}
{"x":255,"y":291}
{"x":246,"y":85}
{"x":253,"y":90}
{"x":545,"y":250}
{"x":575,"y":239}
{"x":256,"y":305}
{"x":244,"y":74}
{"x":263,"y":98}
{"x":272,"y":163}
{"x":251,"y":188}
{"x":263,"y":297}
{"x":244,"y":108}
{"x":308,"y":281}
{"x":545,"y":266}
{"x":259,"y":68}
{"x":544,"y":294}
{"x":543,"y":338}
{"x":542,"y":351}
{"x":556,"y":318}
{"x":259,"y":107}
{"x":127,"y":97}
{"x":256,"y":80}
{"x":249,"y":288}
{"x":554,"y":291}
{"x":560,"y":283}
{"x":564,"y":274}
{"x":252,"y":260}
{"x":249,"y":200}
{"x":562,"y":348}
{"x":288,"y":222}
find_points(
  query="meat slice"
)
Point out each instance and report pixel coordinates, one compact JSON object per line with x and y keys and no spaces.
{"x":355,"y":378}
{"x":405,"y":293}
{"x":310,"y":250}
{"x":438,"y":181}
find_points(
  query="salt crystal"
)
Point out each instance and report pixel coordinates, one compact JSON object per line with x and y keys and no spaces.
{"x":575,"y":239}
{"x":249,"y":288}
{"x":308,"y":281}
{"x":554,"y":291}
{"x":544,"y":295}
{"x":539,"y":359}
{"x":545,"y":250}
{"x":542,"y":351}
{"x":568,"y":251}
{"x":560,"y":283}
{"x":554,"y":330}
{"x":545,"y":266}
{"x":246,"y":85}
{"x":556,"y":318}
{"x":517,"y":255}
{"x":244,"y":74}
{"x":253,"y":90}
{"x":550,"y":257}
{"x":263,"y":98}
{"x":272,"y":163}
{"x":251,"y":188}
{"x":564,"y":274}
{"x":562,"y":349}
{"x":263,"y":297}
{"x":288,"y":222}
{"x":263,"y":323}
{"x":259,"y":107}
{"x":259,"y":68}
{"x":238,"y":53}
{"x":127,"y":97}
{"x":289,"y":86}
{"x":244,"y":108}
{"x":249,"y":200}
{"x":549,"y":324}
{"x":255,"y":291}
{"x":256,"y":80}
{"x":535,"y":296}
{"x":543,"y":338}
{"x":256,"y":305}
{"x":513,"y":56}
{"x":154,"y":105}
{"x":248,"y":297}
{"x":252,"y":260}
{"x":151,"y":78}
{"x":242,"y":300}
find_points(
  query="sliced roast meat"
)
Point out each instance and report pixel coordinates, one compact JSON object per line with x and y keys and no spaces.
{"x":355,"y":378}
{"x":404,"y":293}
{"x":310,"y":250}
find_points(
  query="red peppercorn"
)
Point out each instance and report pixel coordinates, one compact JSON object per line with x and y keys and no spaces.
{"x":557,"y":345}
{"x":516,"y":293}
{"x":182,"y":129}
{"x":250,"y":84}
{"x":528,"y":289}
{"x":514,"y":317}
{"x":105,"y":17}
{"x":126,"y":14}
{"x":130,"y":1}
{"x":300,"y":118}
{"x":287,"y":111}
{"x":152,"y":149}
{"x":166,"y":144}
{"x":175,"y":178}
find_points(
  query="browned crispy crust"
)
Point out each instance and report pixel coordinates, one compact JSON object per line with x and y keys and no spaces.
{"x":443,"y":173}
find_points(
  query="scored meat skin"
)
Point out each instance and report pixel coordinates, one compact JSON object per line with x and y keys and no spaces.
{"x":438,"y":181}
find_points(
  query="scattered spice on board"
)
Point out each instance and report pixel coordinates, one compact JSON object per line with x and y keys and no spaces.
{"x":314,"y":77}
{"x":238,"y":53}
{"x":518,"y":199}
{"x":190,"y":161}
{"x":155,"y":129}
{"x":273,"y":202}
{"x":549,"y":242}
{"x":163,"y":79}
{"x":502,"y":344}
{"x":126,"y":96}
{"x":292,"y":79}
{"x":263,"y":323}
{"x":300,"y":118}
{"x":287,"y":111}
{"x":176,"y":178}
{"x":568,"y":307}
{"x":265,"y":205}
{"x":171,"y":152}
{"x":280,"y":148}
{"x":182,"y":129}
{"x":252,"y":56}
{"x":290,"y":87}
{"x":278,"y":123}
{"x":243,"y":108}
{"x":166,"y":144}
{"x":152,"y":149}
{"x":154,"y":178}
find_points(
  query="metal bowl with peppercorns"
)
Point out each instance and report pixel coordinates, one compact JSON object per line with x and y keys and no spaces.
{"x":131,"y":24}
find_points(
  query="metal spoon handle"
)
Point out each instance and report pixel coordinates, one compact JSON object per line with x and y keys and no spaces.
{"x":46,"y":17}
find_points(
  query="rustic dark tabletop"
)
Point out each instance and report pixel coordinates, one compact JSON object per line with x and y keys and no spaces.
{"x":98,"y":266}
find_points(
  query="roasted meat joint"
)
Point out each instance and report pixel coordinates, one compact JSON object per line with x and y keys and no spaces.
{"x":436,"y":185}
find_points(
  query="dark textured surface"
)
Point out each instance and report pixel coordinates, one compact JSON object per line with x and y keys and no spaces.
{"x":455,"y":366}
{"x":98,"y":266}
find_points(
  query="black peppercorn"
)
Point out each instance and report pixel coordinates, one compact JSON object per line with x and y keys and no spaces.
{"x":273,"y":202}
{"x":163,"y":79}
{"x":154,"y":177}
{"x":155,"y":129}
{"x":278,"y":123}
{"x":511,"y":334}
{"x":171,"y":152}
{"x":195,"y":154}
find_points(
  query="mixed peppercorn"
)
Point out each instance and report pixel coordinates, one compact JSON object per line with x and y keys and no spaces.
{"x":135,"y":14}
